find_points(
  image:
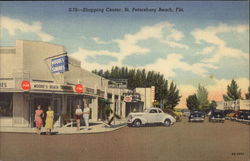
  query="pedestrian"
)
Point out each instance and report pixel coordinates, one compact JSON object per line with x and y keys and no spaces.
{"x":49,"y":120}
{"x":78,"y":116}
{"x":86,"y":112}
{"x":38,"y":119}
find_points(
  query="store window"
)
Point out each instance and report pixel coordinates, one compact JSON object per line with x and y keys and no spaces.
{"x":6,"y":105}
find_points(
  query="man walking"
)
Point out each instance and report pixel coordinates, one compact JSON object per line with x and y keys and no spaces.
{"x":86,"y":112}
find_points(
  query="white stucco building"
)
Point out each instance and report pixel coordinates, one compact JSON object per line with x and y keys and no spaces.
{"x":28,"y":78}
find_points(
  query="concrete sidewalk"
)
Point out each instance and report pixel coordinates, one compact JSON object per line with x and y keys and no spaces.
{"x":94,"y":127}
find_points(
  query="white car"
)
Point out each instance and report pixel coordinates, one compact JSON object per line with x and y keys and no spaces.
{"x":150,"y":116}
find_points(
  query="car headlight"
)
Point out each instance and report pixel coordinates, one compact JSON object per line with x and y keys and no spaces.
{"x":191,"y":116}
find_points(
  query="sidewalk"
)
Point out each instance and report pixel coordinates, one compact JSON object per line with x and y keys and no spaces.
{"x":94,"y":127}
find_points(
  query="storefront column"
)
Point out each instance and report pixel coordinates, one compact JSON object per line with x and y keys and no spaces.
{"x":123,"y":108}
{"x":20,"y":110}
{"x":94,"y":109}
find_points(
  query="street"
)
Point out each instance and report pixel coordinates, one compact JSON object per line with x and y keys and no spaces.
{"x":183,"y":141}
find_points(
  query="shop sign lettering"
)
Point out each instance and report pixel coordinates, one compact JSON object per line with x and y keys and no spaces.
{"x":50,"y":87}
{"x":6,"y":83}
{"x":59,"y":65}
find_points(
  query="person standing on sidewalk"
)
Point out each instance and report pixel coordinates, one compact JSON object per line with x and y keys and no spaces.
{"x":86,"y":112}
{"x":78,"y":116}
{"x":49,"y":120}
{"x":38,"y":119}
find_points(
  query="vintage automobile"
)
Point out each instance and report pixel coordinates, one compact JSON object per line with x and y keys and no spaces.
{"x":150,"y":116}
{"x":217,"y":116}
{"x":196,"y":116}
{"x":244,"y":116}
{"x":230,"y":116}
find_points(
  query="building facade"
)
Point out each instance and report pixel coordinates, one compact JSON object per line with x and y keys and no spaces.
{"x":36,"y":73}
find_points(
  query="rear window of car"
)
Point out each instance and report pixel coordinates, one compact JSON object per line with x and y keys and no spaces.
{"x":153,"y":111}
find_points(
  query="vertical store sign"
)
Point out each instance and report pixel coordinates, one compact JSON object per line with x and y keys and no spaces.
{"x":60,"y":64}
{"x":153,"y":93}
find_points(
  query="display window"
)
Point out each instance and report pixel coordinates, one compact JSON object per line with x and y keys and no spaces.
{"x":6,"y":104}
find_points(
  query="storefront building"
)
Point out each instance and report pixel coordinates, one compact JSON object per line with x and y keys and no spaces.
{"x":38,"y":73}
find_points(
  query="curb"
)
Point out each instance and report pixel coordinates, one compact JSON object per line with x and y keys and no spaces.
{"x":110,"y":129}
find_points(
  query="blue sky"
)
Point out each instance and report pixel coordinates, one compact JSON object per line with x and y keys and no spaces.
{"x":207,"y":43}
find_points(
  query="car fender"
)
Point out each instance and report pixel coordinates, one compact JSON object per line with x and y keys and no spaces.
{"x":143,"y":120}
{"x":171,"y":118}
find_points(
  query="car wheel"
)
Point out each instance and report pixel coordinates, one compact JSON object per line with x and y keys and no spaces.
{"x":137,"y":123}
{"x":167,"y":123}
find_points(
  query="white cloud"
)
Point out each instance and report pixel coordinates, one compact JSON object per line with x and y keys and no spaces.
{"x":98,"y":41}
{"x":13,"y":25}
{"x":220,"y":50}
{"x":129,"y":44}
{"x":167,"y":66}
{"x":206,"y":50}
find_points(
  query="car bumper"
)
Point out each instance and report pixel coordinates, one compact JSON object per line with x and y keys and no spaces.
{"x":196,"y":119}
{"x":217,"y":119}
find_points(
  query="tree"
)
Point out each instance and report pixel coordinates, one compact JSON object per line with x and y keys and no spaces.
{"x":202,"y":96}
{"x":172,"y":96}
{"x":212,"y":105}
{"x":247,"y":94}
{"x":233,"y":93}
{"x":192,"y":102}
{"x":165,"y":95}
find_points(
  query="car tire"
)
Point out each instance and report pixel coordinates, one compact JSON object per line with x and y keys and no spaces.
{"x":137,"y":123}
{"x":167,"y":123}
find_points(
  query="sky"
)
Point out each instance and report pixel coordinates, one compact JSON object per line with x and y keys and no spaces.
{"x":190,"y":43}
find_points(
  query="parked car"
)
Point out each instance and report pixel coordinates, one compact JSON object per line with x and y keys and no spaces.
{"x":170,"y":112}
{"x":178,"y":112}
{"x":217,"y":116}
{"x":231,"y":115}
{"x":186,"y":112}
{"x":150,"y":116}
{"x":244,"y":116}
{"x":196,"y":116}
{"x":227,"y":112}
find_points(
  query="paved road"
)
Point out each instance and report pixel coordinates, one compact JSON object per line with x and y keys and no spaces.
{"x":184,"y":141}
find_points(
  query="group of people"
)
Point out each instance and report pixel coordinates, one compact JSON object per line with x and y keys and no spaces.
{"x":85,"y":113}
{"x":39,"y":114}
{"x":49,"y":122}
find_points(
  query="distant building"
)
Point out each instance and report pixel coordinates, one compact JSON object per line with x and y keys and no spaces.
{"x":234,"y":105}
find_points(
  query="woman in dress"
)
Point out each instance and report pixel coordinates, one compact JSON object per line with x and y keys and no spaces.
{"x":38,"y":119}
{"x":78,"y":116}
{"x":49,"y":120}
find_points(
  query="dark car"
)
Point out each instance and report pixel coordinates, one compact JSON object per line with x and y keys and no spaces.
{"x":227,"y":112}
{"x":244,"y":116}
{"x":217,"y":116}
{"x":196,"y":116}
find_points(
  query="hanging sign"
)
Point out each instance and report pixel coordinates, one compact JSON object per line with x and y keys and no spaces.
{"x":59,"y":65}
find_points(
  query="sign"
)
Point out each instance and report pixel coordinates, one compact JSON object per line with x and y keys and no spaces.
{"x":153,"y":93}
{"x":7,"y":84}
{"x":25,"y":85}
{"x":59,"y":65}
{"x":127,"y":99}
{"x":79,"y":88}
{"x":51,"y":87}
{"x":118,"y":83}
